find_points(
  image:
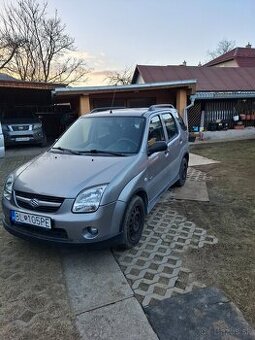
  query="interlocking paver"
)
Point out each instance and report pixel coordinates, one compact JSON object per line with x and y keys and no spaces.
{"x":154,"y":267}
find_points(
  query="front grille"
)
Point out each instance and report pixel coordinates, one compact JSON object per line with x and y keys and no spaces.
{"x":20,"y":127}
{"x":36,"y":202}
{"x":54,"y":233}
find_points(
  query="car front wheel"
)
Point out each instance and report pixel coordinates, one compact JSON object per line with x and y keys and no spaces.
{"x":133,"y":222}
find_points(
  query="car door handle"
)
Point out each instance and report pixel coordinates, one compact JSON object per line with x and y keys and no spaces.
{"x":166,"y":153}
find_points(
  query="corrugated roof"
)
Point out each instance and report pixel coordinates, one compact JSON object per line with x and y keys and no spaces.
{"x":208,"y":78}
{"x":244,"y":56}
{"x":19,"y":84}
{"x":190,"y":83}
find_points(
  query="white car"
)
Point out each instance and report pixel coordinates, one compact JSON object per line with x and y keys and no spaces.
{"x":2,"y":152}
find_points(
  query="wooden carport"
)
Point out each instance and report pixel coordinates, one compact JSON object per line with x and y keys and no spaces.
{"x":84,"y":99}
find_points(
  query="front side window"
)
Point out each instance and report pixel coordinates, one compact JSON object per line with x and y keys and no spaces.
{"x":104,"y":134}
{"x":156,"y":131}
{"x":171,"y":127}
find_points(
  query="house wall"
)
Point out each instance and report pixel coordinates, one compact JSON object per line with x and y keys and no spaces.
{"x":229,"y":63}
{"x":133,"y":99}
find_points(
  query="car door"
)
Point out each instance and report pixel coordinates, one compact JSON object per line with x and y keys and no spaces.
{"x":156,"y":161}
{"x":174,"y":143}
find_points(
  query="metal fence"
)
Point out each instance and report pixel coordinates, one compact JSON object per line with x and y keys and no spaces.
{"x":223,"y":110}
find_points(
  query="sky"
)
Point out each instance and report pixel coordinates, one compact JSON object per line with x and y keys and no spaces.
{"x":114,"y":34}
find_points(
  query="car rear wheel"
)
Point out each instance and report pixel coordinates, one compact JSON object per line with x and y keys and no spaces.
{"x":182,"y":173}
{"x":133,"y":222}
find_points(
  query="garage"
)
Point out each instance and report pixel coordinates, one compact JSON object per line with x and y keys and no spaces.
{"x":33,"y":100}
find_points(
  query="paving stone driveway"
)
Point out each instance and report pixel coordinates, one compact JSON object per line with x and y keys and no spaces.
{"x":154,"y":267}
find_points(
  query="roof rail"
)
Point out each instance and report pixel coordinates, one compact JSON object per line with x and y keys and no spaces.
{"x":100,"y":109}
{"x":158,"y":106}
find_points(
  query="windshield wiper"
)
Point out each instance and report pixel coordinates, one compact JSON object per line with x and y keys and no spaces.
{"x":95,"y":151}
{"x":66,"y":150}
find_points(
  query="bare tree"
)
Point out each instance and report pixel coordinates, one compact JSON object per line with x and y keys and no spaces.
{"x":122,"y":77}
{"x":223,"y":46}
{"x":45,"y":52}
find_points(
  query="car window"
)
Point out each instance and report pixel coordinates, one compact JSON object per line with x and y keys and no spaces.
{"x":156,"y":131}
{"x":171,"y":127}
{"x":121,"y":134}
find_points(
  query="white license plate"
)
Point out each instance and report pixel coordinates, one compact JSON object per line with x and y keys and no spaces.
{"x":22,"y":139}
{"x":36,"y":220}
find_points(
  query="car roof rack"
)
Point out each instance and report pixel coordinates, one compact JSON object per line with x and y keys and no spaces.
{"x":160,"y":106}
{"x":100,"y":109}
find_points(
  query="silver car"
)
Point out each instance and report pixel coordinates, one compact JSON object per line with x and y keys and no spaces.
{"x":100,"y":179}
{"x":2,"y":149}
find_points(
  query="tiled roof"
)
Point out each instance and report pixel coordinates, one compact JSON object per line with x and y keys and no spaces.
{"x":245,"y":57}
{"x":208,"y":78}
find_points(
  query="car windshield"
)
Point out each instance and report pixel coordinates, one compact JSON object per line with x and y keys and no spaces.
{"x":103,"y":135}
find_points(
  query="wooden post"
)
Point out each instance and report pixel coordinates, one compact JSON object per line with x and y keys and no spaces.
{"x":84,"y":105}
{"x":181,"y":101}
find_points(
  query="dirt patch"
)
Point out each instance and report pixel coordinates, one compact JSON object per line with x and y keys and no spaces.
{"x":33,"y":297}
{"x":230,"y":216}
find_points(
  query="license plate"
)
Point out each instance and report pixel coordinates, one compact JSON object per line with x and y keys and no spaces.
{"x":22,"y":139}
{"x":31,"y":219}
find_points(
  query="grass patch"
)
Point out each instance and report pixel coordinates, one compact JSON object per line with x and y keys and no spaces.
{"x":230,"y":216}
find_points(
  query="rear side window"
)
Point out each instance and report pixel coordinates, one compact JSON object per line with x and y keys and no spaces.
{"x":171,"y":127}
{"x":156,"y":131}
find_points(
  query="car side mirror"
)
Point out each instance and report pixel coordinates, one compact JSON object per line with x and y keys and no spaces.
{"x":157,"y":147}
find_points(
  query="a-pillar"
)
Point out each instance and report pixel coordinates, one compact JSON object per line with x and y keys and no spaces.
{"x":181,"y":101}
{"x":84,"y":105}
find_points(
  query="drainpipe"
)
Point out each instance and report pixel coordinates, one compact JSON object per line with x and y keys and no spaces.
{"x":192,"y":98}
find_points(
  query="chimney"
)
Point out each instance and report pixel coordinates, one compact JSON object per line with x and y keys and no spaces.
{"x":248,"y":45}
{"x":184,"y":63}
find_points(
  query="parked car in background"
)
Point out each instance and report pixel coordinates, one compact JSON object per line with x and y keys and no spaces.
{"x":100,"y":179}
{"x":2,"y":151}
{"x":22,"y":128}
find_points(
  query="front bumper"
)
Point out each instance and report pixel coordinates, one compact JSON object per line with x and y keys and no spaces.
{"x":68,"y":227}
{"x":24,"y":137}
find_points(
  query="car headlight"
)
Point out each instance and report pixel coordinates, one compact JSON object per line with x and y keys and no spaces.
{"x":88,"y":200}
{"x":8,"y":187}
{"x":38,"y":126}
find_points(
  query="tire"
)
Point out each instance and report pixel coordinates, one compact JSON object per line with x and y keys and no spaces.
{"x":182,"y":173}
{"x":133,"y":223}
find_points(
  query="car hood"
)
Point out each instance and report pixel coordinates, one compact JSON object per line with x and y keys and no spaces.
{"x":65,"y":175}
